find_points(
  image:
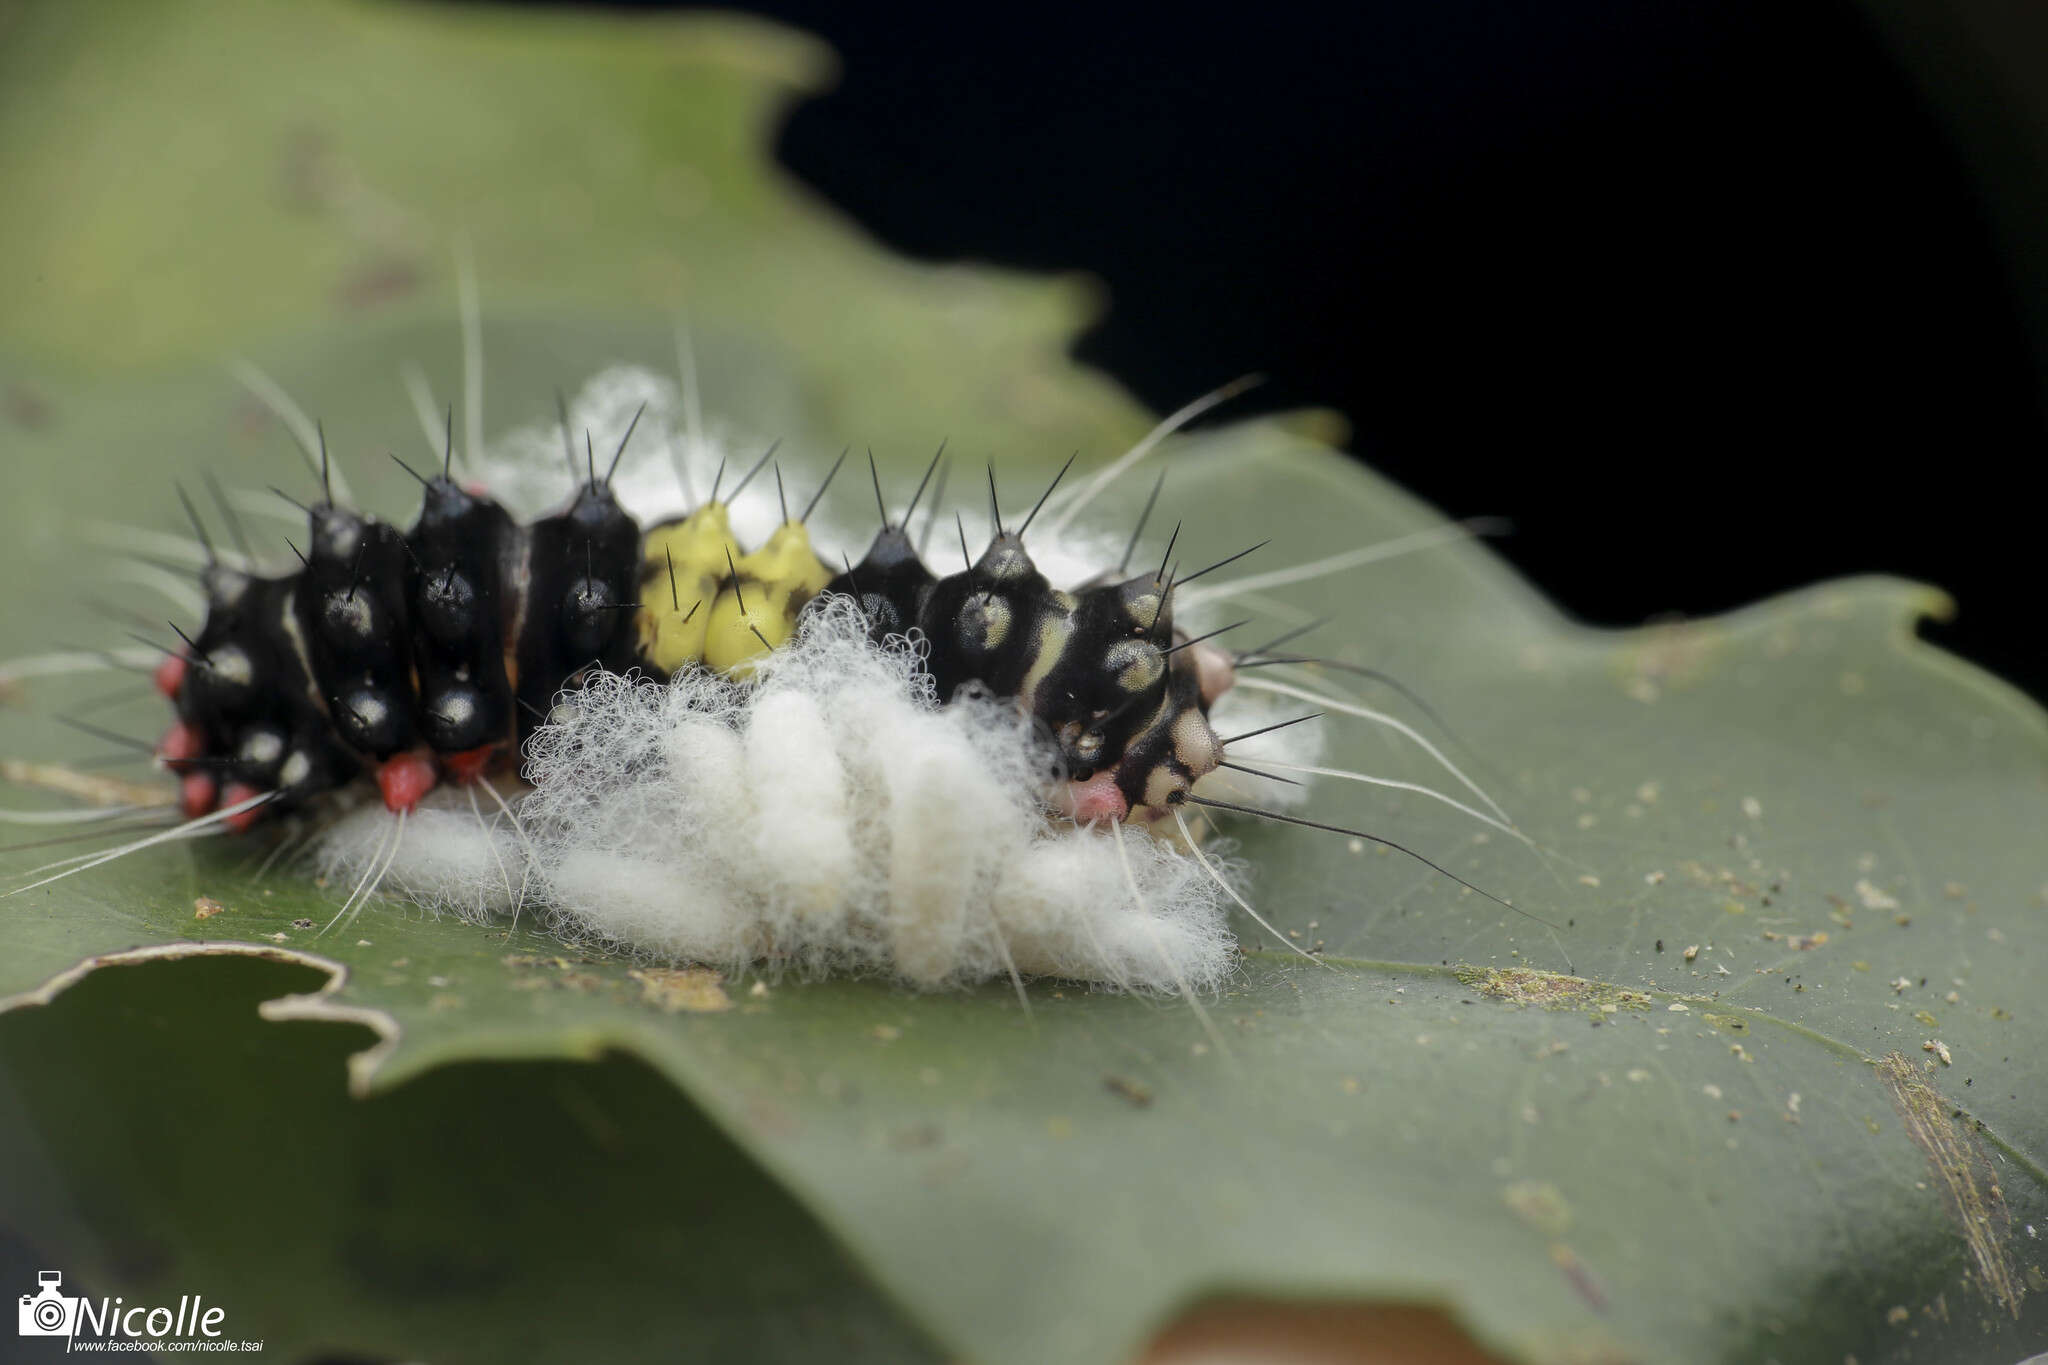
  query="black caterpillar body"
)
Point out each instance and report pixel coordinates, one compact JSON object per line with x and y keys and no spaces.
{"x":435,"y":653}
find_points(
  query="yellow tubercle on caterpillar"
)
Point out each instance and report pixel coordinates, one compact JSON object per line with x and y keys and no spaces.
{"x":705,"y":602}
{"x":683,"y":565}
{"x":788,"y":565}
{"x":756,"y":610}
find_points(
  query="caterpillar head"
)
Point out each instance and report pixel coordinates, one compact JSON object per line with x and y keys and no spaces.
{"x":1144,"y":757}
{"x":1097,"y":669}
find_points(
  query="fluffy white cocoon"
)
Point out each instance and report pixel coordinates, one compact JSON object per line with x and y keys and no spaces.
{"x":456,"y":852}
{"x":830,"y":816}
{"x":827,"y":816}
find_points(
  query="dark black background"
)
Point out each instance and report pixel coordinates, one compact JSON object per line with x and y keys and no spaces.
{"x":1697,"y":294}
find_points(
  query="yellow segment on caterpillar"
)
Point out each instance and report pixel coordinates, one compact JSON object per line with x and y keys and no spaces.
{"x":756,"y":611}
{"x":683,"y":566}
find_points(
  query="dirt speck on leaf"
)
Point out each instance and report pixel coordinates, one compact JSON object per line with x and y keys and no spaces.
{"x":1540,"y":1204}
{"x":534,"y":973}
{"x":1666,"y":657}
{"x":1579,"y":1276}
{"x":1138,"y":1095}
{"x":693,"y":990}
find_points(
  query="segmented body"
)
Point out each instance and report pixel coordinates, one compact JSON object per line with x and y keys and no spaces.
{"x":433,"y":654}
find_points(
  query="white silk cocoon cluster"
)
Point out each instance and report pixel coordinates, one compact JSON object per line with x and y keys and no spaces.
{"x":455,"y":852}
{"x":825,"y":816}
{"x":829,"y":815}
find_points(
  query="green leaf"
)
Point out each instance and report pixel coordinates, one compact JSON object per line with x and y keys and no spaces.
{"x":1580,"y":1139}
{"x":539,"y":1211}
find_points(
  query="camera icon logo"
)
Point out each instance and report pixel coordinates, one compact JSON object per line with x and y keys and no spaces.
{"x":46,"y":1313}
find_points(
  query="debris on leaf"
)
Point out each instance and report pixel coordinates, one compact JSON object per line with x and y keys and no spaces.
{"x":1540,"y":1204}
{"x":1527,"y":986}
{"x":1968,"y":1182}
{"x":1580,"y":1278}
{"x":1124,"y":1088}
{"x":695,"y":990}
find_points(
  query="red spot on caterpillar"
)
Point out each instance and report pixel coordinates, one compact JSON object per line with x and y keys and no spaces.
{"x":170,"y":675}
{"x":468,"y":766}
{"x":195,"y":795}
{"x":233,"y":795}
{"x":405,"y":780}
{"x":181,"y":744}
{"x":1099,"y":798}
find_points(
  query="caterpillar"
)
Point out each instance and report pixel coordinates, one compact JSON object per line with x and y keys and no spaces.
{"x":431,"y":653}
{"x":742,"y":754}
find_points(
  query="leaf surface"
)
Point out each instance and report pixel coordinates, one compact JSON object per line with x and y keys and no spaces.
{"x":1583,"y":1138}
